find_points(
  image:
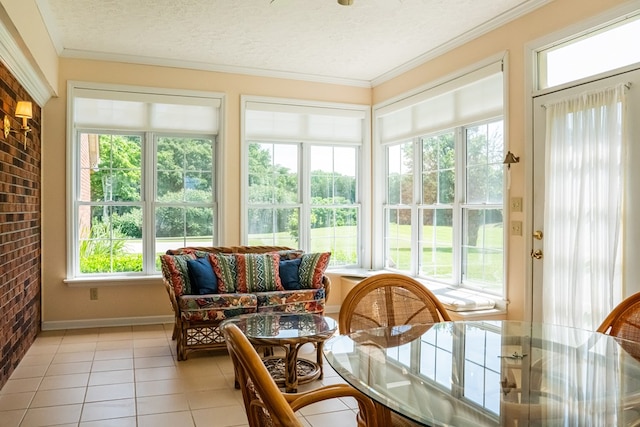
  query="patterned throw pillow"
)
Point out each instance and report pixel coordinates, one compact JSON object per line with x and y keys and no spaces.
{"x":174,"y":269}
{"x":224,"y":265}
{"x":312,"y":268}
{"x":258,"y":272}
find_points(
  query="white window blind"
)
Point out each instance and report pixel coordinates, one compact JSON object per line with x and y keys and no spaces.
{"x":284,"y":122}
{"x":473,"y":97}
{"x":118,"y":110}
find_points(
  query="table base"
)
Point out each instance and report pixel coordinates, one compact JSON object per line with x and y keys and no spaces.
{"x":306,"y":371}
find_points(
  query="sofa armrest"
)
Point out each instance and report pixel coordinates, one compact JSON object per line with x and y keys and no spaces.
{"x":326,"y":283}
{"x":172,"y":295}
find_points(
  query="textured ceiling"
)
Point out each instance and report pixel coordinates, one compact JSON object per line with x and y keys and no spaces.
{"x":305,"y":39}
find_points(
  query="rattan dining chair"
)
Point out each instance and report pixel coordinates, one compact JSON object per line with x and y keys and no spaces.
{"x":389,"y":299}
{"x":624,"y":319}
{"x":265,"y":404}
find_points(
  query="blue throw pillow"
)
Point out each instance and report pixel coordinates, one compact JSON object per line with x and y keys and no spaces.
{"x":203,"y":279}
{"x":289,"y":274}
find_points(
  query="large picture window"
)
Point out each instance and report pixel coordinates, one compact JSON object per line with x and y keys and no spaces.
{"x":143,"y":179}
{"x":303,"y":177}
{"x":442,"y":211}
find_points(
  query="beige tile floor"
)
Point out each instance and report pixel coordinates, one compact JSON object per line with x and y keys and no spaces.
{"x":129,"y":376}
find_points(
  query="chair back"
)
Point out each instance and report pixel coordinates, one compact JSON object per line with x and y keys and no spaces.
{"x":624,"y":319}
{"x":389,"y":299}
{"x":264,"y":402}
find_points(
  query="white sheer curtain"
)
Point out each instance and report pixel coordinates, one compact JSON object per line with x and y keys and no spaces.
{"x":579,"y":382}
{"x":583,"y":208}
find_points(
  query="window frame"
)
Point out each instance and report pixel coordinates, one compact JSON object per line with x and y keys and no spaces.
{"x":410,"y":100}
{"x":304,"y":145}
{"x":540,"y":53}
{"x":458,"y":206}
{"x":148,"y":203}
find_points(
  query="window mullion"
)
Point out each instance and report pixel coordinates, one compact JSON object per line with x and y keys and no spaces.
{"x":149,"y":165}
{"x":459,"y":200}
{"x":304,"y":194}
{"x":416,"y":203}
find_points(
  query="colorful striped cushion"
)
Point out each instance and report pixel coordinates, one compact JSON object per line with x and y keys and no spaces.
{"x":174,"y":268}
{"x":258,"y":272}
{"x":224,"y":265}
{"x":312,"y":268}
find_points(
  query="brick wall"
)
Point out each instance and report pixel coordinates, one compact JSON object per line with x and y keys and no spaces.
{"x":19,"y":229}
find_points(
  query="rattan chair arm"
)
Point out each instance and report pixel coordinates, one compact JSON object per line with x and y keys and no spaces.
{"x":367,"y":407}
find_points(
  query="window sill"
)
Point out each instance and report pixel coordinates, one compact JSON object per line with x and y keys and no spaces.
{"x":101,"y":281}
{"x":457,"y":300}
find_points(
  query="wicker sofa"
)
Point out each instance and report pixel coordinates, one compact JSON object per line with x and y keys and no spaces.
{"x":243,"y":287}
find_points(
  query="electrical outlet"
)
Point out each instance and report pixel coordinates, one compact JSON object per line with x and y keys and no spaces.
{"x":516,"y":204}
{"x":516,"y":228}
{"x":93,"y":293}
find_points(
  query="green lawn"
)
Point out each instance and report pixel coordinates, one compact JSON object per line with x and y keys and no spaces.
{"x":340,"y":241}
{"x":484,"y":263}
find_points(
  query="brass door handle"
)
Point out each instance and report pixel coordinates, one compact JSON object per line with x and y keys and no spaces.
{"x":537,"y":254}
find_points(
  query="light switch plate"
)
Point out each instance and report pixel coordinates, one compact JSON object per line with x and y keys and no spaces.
{"x":516,"y":228}
{"x":516,"y":204}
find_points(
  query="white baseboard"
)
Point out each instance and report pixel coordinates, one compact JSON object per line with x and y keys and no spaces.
{"x":102,"y":323}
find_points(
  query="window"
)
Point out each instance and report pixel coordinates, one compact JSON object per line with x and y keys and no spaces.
{"x":482,"y":368}
{"x":436,"y":358}
{"x":598,"y":51}
{"x":463,"y":360}
{"x":143,"y":178}
{"x":303,"y":177}
{"x":443,"y":205}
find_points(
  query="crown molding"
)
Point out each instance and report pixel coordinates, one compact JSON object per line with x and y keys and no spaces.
{"x":476,"y":32}
{"x":13,"y":53}
{"x":195,"y":65}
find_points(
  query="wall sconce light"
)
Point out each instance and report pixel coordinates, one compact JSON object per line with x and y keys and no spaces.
{"x":24,"y":110}
{"x":510,"y":158}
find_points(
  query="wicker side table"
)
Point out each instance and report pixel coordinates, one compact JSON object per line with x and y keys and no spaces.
{"x":290,"y":332}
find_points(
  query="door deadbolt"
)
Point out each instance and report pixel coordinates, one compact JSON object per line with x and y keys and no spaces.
{"x":537,"y":234}
{"x":537,"y":254}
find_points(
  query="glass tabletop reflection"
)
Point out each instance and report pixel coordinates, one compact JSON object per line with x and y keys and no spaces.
{"x":493,"y":373}
{"x":285,"y":326}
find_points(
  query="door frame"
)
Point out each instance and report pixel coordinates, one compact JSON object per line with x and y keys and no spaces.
{"x":630,"y":231}
{"x":531,"y":91}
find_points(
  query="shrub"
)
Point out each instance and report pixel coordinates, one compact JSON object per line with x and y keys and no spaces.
{"x":99,"y":241}
{"x":129,"y":223}
{"x":104,"y":253}
{"x":102,"y":263}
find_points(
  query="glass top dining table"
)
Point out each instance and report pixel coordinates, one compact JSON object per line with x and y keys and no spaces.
{"x":493,"y":373}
